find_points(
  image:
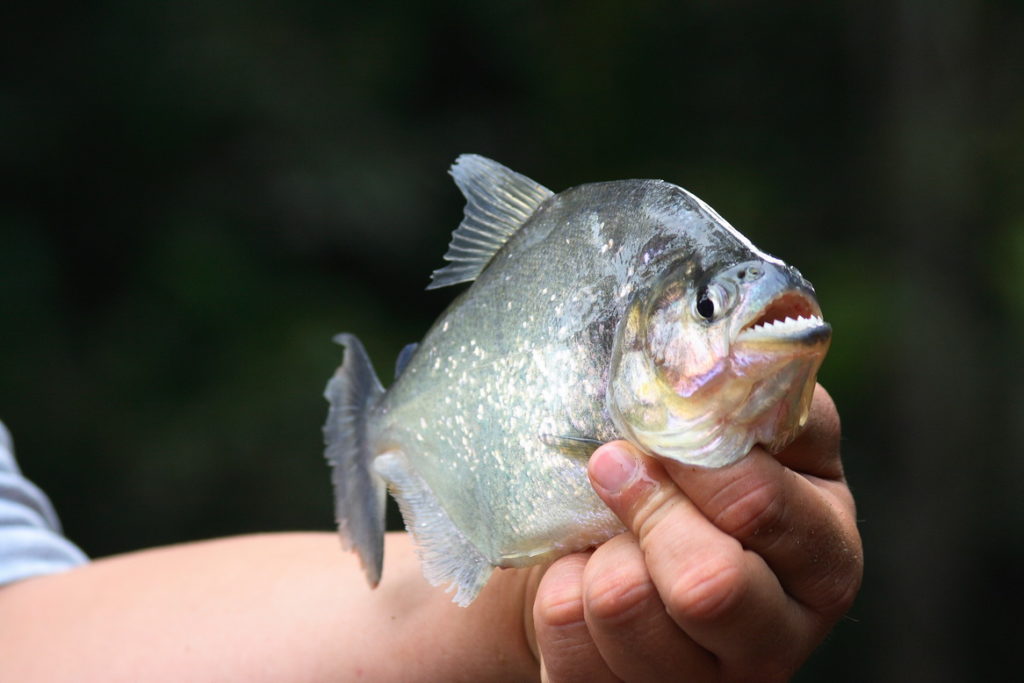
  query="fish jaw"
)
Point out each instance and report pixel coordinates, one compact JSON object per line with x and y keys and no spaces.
{"x":779,"y":359}
{"x":778,"y":352}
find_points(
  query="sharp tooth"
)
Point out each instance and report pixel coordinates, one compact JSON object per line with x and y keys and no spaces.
{"x":788,"y":326}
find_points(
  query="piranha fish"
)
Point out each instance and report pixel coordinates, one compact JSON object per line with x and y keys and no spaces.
{"x":625,"y":309}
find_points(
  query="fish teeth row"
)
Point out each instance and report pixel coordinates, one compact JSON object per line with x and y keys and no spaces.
{"x":784,"y":327}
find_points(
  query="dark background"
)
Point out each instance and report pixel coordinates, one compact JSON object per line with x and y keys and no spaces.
{"x":195,"y":196}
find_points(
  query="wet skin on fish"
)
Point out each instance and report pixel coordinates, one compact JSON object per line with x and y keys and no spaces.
{"x":625,"y":309}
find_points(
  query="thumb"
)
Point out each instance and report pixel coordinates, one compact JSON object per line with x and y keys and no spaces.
{"x":637,"y":489}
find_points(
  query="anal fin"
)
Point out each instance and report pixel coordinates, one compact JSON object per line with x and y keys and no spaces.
{"x":445,"y":552}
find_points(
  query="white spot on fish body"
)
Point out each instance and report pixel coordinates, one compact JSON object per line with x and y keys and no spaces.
{"x":595,"y":228}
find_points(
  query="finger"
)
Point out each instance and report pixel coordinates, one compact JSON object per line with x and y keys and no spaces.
{"x":724,"y":597}
{"x":628,"y":622}
{"x":816,"y":450}
{"x":568,"y":653}
{"x":805,"y":532}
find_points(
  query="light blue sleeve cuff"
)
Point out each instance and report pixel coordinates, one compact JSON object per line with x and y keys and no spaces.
{"x":31,"y":542}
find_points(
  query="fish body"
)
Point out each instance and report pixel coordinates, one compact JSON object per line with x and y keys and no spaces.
{"x":624,"y":309}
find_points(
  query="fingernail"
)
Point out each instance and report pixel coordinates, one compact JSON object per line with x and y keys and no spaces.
{"x":612,"y":468}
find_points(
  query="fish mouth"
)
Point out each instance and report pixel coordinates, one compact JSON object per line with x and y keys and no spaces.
{"x":792,"y":316}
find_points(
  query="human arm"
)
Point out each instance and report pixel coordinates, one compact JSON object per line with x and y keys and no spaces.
{"x":274,"y":607}
{"x":294,"y":607}
{"x":735,"y":573}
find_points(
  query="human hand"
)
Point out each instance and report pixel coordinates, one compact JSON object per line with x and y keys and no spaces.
{"x":735,"y":573}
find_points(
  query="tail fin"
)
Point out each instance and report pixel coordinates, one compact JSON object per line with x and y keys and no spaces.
{"x":359,"y":493}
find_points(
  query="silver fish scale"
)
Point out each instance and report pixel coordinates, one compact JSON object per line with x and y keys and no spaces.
{"x":524,"y":356}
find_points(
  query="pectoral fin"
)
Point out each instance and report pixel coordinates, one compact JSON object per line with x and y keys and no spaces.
{"x":579,"y":447}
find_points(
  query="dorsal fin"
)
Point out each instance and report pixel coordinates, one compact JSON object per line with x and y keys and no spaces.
{"x":498,"y":202}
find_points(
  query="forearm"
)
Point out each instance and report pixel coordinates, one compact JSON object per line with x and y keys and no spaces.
{"x":258,"y":608}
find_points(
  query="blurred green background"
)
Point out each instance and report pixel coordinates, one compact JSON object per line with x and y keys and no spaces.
{"x":197,"y":195}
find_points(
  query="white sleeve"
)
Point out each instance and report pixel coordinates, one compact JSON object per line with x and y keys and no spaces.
{"x":31,"y":542}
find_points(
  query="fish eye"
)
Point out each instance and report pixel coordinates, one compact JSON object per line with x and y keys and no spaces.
{"x":714,"y":300}
{"x":705,"y":304}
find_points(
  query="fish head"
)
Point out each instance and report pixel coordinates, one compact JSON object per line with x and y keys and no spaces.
{"x":710,"y":361}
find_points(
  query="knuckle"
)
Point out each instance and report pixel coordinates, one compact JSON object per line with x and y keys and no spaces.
{"x":759,"y":509}
{"x":842,"y":597}
{"x":825,"y":409}
{"x":838,"y":588}
{"x":617,"y":598}
{"x":558,"y":609}
{"x":822,"y":435}
{"x":648,"y":511}
{"x":563,"y":639}
{"x":710,"y":592}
